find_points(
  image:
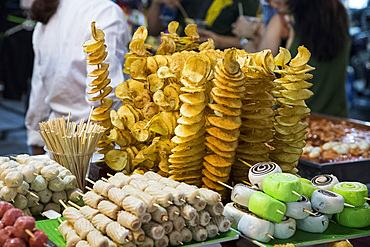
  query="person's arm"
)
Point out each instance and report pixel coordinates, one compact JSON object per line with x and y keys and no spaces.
{"x":153,"y":15}
{"x":38,"y":110}
{"x":271,"y":38}
{"x":221,"y":41}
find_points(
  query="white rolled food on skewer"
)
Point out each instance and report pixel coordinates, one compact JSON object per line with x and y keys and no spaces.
{"x":325,"y":181}
{"x":285,"y":229}
{"x":259,"y":171}
{"x":327,"y":202}
{"x":256,"y":228}
{"x":315,"y":224}
{"x":299,"y":209}
{"x":233,"y":214}
{"x":241,"y":194}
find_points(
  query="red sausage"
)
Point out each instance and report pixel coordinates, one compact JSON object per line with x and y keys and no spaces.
{"x":40,"y":239}
{"x":23,"y":223}
{"x":9,"y":230}
{"x":15,"y":242}
{"x":4,"y":206}
{"x":11,"y":216}
{"x":3,"y":236}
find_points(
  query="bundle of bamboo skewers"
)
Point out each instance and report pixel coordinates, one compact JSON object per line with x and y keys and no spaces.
{"x":71,"y":145}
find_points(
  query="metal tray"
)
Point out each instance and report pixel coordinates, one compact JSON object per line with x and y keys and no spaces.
{"x":352,"y":170}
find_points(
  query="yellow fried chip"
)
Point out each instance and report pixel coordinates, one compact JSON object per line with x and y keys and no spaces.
{"x":191,"y":110}
{"x":116,"y":159}
{"x":195,"y":69}
{"x":189,"y":130}
{"x":228,"y":123}
{"x":224,"y":135}
{"x":302,"y":57}
{"x":224,"y":110}
{"x":193,"y":98}
{"x":217,"y":171}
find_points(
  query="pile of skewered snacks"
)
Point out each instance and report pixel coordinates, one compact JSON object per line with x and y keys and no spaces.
{"x":19,"y":230}
{"x":143,"y":210}
{"x":279,"y":203}
{"x":200,"y":116}
{"x":35,"y":185}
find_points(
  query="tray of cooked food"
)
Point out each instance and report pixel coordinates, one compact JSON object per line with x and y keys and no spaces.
{"x":336,"y":146}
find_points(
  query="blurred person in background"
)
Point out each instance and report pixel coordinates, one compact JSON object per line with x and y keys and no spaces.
{"x":217,"y":15}
{"x":322,"y":27}
{"x":260,"y":36}
{"x":59,"y":82}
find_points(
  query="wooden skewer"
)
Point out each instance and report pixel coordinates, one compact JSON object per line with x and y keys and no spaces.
{"x":367,"y":198}
{"x":177,"y":213}
{"x":88,"y":188}
{"x":181,"y":243}
{"x":63,"y":204}
{"x":308,"y":211}
{"x":74,"y":205}
{"x":12,"y":200}
{"x":60,"y":220}
{"x":226,"y":185}
{"x":349,"y":205}
{"x":246,"y":182}
{"x":244,"y":162}
{"x":33,"y":194}
{"x":29,"y":233}
{"x":89,"y":180}
{"x":279,"y":211}
{"x":109,"y":175}
{"x":268,"y":235}
{"x":164,"y":218}
{"x":296,"y":193}
{"x":182,"y":200}
{"x":169,"y":202}
{"x":79,"y":193}
{"x":35,"y":174}
{"x":104,"y":179}
{"x":198,"y":197}
{"x":156,"y":205}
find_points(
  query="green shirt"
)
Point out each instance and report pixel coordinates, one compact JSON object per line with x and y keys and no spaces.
{"x":328,"y":82}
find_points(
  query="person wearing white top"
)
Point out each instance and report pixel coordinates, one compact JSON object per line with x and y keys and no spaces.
{"x":59,"y":81}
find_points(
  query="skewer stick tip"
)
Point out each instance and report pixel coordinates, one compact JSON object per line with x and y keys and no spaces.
{"x":29,"y":233}
{"x":164,"y":218}
{"x":244,"y":162}
{"x":277,"y":210}
{"x":296,"y":193}
{"x":109,"y":175}
{"x":60,"y":220}
{"x":169,"y":202}
{"x":349,"y":205}
{"x":63,"y":204}
{"x":104,"y":179}
{"x":89,"y":180}
{"x":74,"y":205}
{"x":88,"y":188}
{"x":268,"y":235}
{"x":308,"y":211}
{"x":246,"y":182}
{"x":367,"y":198}
{"x":226,"y":185}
